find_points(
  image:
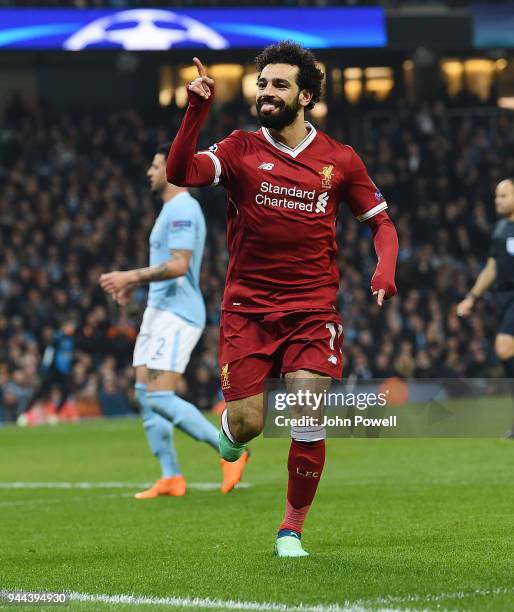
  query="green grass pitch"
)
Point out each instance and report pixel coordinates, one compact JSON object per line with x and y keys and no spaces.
{"x":397,"y":524}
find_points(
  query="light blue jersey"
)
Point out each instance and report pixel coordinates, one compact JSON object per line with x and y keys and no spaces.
{"x":180,"y":225}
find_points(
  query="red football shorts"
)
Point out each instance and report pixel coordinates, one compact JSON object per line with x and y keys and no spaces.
{"x":257,"y":346}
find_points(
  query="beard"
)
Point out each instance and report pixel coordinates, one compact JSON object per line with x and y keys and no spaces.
{"x":280,"y":119}
{"x":157,"y":188}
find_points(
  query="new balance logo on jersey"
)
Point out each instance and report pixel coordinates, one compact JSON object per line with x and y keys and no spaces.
{"x":333,"y":359}
{"x":266,"y":166}
{"x":322,"y":202}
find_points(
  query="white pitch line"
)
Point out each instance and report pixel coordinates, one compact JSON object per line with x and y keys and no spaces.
{"x":208,"y":603}
{"x":437,"y":597}
{"x":362,"y":605}
{"x":196,"y":486}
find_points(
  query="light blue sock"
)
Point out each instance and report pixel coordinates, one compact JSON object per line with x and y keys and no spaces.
{"x":159,"y":433}
{"x":183,"y":415}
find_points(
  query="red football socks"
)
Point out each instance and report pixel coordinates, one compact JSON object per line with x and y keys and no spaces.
{"x":305,"y":464}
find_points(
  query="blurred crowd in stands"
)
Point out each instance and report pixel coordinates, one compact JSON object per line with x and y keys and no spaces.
{"x":75,"y":203}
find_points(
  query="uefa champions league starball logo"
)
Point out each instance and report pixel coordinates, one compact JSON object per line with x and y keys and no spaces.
{"x":145,"y":30}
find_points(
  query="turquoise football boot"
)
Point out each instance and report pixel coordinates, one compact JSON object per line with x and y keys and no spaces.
{"x":289,"y":544}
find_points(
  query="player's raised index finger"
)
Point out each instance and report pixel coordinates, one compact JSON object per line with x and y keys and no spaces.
{"x":200,"y":67}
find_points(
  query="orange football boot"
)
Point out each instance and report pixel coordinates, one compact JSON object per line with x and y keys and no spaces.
{"x":233,"y":472}
{"x":175,"y":486}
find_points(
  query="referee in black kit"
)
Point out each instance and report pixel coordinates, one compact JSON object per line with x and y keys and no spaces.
{"x":499,"y":268}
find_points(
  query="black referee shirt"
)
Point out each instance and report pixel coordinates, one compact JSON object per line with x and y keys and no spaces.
{"x":502,"y":249}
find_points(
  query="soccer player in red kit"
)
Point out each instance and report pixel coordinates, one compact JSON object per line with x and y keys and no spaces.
{"x":285,"y":183}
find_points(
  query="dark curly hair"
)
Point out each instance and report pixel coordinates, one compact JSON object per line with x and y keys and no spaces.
{"x":309,"y":76}
{"x":163,"y":149}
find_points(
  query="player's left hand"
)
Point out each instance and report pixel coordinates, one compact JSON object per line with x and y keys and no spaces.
{"x":116,"y":282}
{"x":380,"y":296}
{"x":382,"y":288}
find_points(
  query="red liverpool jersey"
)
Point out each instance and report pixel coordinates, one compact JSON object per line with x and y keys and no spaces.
{"x":281,"y":218}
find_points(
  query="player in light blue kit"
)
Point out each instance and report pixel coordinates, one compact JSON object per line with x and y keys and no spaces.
{"x":172,"y":325}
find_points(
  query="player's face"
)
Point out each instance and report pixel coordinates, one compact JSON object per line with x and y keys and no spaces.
{"x":279,"y":99}
{"x":157,"y":174}
{"x":504,"y":198}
